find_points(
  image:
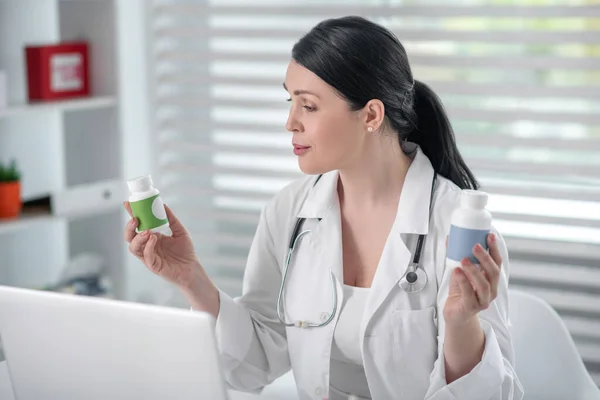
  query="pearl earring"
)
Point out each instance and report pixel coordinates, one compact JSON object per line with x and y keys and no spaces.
{"x":370,"y":129}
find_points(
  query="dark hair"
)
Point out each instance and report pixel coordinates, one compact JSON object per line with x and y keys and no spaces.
{"x":365,"y":61}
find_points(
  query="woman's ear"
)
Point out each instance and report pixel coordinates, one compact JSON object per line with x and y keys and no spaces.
{"x":374,"y":113}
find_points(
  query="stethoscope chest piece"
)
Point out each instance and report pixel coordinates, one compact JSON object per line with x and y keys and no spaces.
{"x":414,"y":279}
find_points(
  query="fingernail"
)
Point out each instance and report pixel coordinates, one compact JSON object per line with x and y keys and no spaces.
{"x":465,"y":262}
{"x":478,"y":248}
{"x":492,"y":238}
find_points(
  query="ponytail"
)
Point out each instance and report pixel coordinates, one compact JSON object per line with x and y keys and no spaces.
{"x":433,"y":133}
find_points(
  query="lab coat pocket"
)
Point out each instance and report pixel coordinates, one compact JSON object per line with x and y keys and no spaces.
{"x":414,"y":346}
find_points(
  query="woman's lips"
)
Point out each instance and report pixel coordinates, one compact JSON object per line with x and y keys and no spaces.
{"x":299,"y":150}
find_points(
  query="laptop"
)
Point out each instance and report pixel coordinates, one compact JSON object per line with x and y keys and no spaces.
{"x":62,"y":346}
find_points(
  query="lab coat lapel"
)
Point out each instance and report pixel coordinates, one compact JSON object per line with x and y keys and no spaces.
{"x":412,"y":218}
{"x":310,"y":289}
{"x":393,"y":263}
{"x":325,"y":240}
{"x":326,"y":244}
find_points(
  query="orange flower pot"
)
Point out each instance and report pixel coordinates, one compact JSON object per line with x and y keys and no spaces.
{"x":10,"y":199}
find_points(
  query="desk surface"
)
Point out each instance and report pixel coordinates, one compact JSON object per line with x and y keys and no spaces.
{"x":282,"y":390}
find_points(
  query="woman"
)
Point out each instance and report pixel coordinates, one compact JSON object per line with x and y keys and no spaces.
{"x":377,"y":137}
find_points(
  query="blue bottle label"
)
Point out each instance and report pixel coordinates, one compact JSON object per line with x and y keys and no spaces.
{"x":462,"y":240}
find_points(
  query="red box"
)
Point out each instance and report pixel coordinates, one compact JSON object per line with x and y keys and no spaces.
{"x":58,"y":71}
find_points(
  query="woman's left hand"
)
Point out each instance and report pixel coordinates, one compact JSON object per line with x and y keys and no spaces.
{"x":472,"y":287}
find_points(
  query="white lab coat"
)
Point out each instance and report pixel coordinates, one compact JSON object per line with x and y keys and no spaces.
{"x":401,"y":334}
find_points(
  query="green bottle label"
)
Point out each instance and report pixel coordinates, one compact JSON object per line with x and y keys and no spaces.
{"x":150,"y":212}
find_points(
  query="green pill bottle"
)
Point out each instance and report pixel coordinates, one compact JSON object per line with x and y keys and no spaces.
{"x":147,"y":206}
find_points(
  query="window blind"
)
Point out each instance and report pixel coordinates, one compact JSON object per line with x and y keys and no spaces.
{"x":520,"y":81}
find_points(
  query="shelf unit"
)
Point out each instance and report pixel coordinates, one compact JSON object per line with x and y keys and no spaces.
{"x":74,"y":149}
{"x":25,"y":110}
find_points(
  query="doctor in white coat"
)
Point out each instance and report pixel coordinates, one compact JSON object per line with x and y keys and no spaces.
{"x":343,"y":321}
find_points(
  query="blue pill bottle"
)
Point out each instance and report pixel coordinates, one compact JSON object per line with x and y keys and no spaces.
{"x":471,"y":223}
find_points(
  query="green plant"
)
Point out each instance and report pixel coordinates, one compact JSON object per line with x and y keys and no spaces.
{"x":10,"y":172}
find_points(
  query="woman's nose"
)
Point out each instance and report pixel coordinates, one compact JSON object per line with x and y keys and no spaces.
{"x":292,"y":124}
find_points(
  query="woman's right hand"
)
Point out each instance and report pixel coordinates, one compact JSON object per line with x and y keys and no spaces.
{"x":174,"y":259}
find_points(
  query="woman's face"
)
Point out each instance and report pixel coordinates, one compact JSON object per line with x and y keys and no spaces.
{"x":326,"y":134}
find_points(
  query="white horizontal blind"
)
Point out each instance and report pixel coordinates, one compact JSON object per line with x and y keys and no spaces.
{"x":521,"y":82}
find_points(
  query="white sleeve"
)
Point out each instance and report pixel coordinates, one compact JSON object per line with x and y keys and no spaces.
{"x":494,"y":377}
{"x":252,"y":340}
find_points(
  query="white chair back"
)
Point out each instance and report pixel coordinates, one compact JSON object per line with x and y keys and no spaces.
{"x":547,"y":361}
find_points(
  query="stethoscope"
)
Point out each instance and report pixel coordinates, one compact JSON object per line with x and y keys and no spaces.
{"x":413,"y":281}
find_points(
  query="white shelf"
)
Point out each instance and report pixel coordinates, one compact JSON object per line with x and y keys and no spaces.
{"x":28,"y":220}
{"x":25,"y":221}
{"x":88,"y":103}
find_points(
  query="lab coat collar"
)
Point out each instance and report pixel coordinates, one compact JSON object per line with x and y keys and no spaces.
{"x":413,"y":208}
{"x":322,"y":197}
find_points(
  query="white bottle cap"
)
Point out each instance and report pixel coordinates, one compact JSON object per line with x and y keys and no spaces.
{"x":140,"y":184}
{"x":474,"y":199}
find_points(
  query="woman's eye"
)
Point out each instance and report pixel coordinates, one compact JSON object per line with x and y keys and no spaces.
{"x":307,"y":108}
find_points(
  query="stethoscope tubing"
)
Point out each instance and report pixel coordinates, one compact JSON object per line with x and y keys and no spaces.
{"x":297,"y":234}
